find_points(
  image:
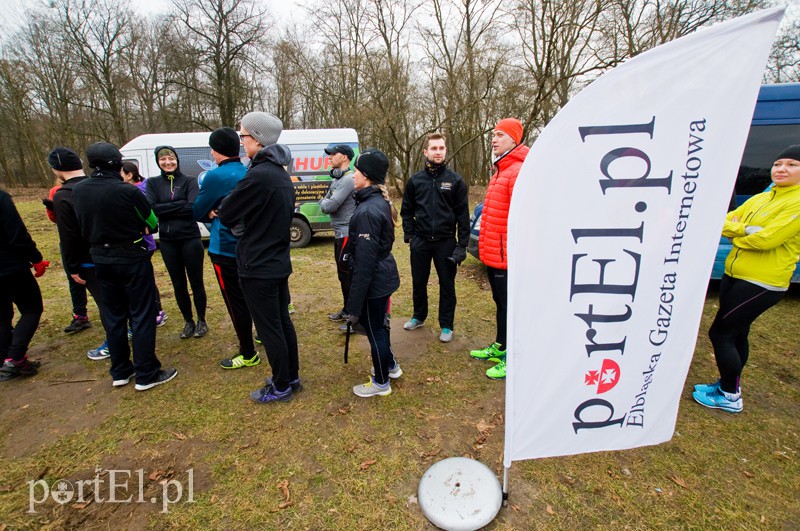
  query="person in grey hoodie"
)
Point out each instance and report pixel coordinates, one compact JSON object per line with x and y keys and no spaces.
{"x":339,"y":202}
{"x":259,"y":212}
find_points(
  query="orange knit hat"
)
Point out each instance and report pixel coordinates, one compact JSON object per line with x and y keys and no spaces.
{"x":512,"y":127}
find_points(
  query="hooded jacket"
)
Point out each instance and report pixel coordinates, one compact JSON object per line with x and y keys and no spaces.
{"x":259,"y":212}
{"x":171,"y":197}
{"x":770,"y":255}
{"x":113,"y":217}
{"x":17,"y":249}
{"x":372,"y":266}
{"x":492,"y":243}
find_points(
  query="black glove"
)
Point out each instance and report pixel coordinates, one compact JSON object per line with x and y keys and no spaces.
{"x":48,"y":203}
{"x":407,"y":239}
{"x":352,"y":320}
{"x":459,"y":255}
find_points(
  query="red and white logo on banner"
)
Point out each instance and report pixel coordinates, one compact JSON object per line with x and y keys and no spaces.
{"x":606,"y":378}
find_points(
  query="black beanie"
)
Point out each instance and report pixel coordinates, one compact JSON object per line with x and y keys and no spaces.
{"x":64,"y":159}
{"x":225,"y":141}
{"x":104,"y":156}
{"x":373,"y":164}
{"x":791,"y":152}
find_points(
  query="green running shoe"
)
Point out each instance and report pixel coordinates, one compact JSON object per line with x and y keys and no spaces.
{"x":498,"y":372}
{"x":490,"y":353}
{"x":239,"y":361}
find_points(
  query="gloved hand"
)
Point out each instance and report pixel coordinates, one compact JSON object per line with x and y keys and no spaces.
{"x":407,"y":239}
{"x":458,"y":256}
{"x":48,"y":203}
{"x":40,"y":268}
{"x":352,"y":320}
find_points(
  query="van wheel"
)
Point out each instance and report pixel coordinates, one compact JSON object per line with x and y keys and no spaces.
{"x":300,"y":233}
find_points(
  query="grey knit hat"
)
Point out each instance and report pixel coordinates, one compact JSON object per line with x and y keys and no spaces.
{"x":263,"y":127}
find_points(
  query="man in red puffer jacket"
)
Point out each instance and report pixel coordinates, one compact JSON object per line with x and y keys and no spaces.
{"x":509,"y":154}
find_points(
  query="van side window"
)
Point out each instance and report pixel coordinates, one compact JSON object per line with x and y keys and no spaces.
{"x":763,"y":144}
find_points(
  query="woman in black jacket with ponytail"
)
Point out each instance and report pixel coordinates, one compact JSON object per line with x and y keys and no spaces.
{"x":373,"y":269}
{"x":171,"y":196}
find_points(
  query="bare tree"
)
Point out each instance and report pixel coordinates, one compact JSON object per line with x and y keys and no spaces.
{"x":784,"y":61}
{"x":99,"y":31}
{"x":466,"y":60}
{"x":633,"y":26}
{"x":224,"y":38}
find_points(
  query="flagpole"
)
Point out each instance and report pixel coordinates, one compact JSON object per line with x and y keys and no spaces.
{"x":505,"y":486}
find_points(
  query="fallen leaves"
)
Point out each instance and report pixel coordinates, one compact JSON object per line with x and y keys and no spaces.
{"x":484,"y":428}
{"x":678,"y":481}
{"x":161,"y":476}
{"x":178,"y":435}
{"x":550,"y":510}
{"x":344,"y":410}
{"x":81,"y":506}
{"x":430,"y":453}
{"x":366,"y":464}
{"x":283,"y":486}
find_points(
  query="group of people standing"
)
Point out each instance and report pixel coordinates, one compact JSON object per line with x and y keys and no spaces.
{"x":106,"y":224}
{"x":105,"y":228}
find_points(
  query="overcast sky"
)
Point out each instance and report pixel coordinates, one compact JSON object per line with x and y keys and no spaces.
{"x":12,"y":11}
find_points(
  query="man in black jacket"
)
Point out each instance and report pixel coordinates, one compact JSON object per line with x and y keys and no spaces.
{"x":114,"y":216}
{"x":435,"y":210}
{"x":68,"y":168}
{"x":259,"y":211}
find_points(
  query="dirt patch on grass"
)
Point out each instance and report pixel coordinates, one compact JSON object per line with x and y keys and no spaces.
{"x":61,"y":400}
{"x":129,"y":487}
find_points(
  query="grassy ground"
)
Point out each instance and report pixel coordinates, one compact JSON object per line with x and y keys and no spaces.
{"x":329,"y":460}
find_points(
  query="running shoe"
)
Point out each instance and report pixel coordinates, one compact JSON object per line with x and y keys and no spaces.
{"x":99,"y":353}
{"x":239,"y":361}
{"x":498,"y":372}
{"x":370,"y":389}
{"x":490,"y":353}
{"x":79,"y":322}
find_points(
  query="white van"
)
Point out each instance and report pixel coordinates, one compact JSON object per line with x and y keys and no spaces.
{"x":309,"y":168}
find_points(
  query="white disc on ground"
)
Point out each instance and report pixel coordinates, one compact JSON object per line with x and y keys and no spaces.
{"x":459,"y":494}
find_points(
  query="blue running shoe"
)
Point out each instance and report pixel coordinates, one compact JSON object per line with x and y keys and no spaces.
{"x":718,"y":399}
{"x":413,"y":324}
{"x":269,"y":394}
{"x":707,"y":388}
{"x":99,"y":353}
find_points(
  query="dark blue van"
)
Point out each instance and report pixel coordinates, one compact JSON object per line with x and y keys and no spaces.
{"x":776,"y":124}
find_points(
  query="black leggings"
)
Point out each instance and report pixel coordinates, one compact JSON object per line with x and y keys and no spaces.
{"x":498,"y":281}
{"x":18,"y":289}
{"x":740,"y":303}
{"x":228,"y":279}
{"x":185,"y":258}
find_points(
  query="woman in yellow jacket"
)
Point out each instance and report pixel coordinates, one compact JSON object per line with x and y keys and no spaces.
{"x":765,"y":232}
